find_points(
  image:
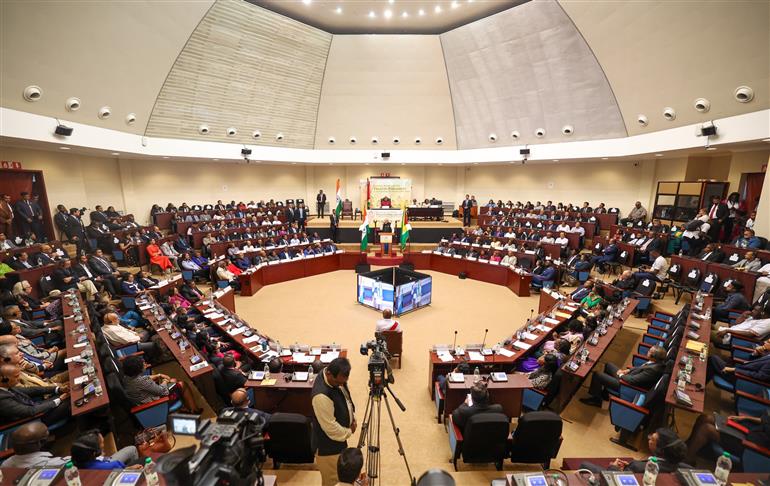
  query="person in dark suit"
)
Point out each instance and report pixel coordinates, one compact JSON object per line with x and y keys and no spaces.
{"x":301,"y":216}
{"x":467,"y":204}
{"x":232,"y":377}
{"x":6,"y":215}
{"x":480,"y":400}
{"x":333,"y":226}
{"x":643,"y":376}
{"x":22,"y":262}
{"x":100,"y":216}
{"x":104,"y":270}
{"x":757,"y":367}
{"x":291,"y":214}
{"x":37,"y":220}
{"x":734,"y":300}
{"x":665,"y":445}
{"x":718,"y":213}
{"x":711,"y":253}
{"x":26,"y":213}
{"x":320,"y":201}
{"x":239,"y":401}
{"x":20,"y":403}
{"x":609,"y":254}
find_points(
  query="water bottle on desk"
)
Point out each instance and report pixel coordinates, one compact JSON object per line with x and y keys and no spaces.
{"x":681,"y":381}
{"x":688,"y":365}
{"x":722,"y":471}
{"x":267,"y":372}
{"x":310,"y":374}
{"x":651,"y":470}
{"x":71,"y":474}
{"x":476,"y":375}
{"x":150,"y":475}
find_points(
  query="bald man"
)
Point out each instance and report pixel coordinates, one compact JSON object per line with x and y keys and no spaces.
{"x":27,"y":442}
{"x":240,"y":401}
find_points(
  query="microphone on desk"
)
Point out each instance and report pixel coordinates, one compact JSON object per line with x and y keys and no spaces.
{"x":485,"y":338}
{"x":454,"y":343}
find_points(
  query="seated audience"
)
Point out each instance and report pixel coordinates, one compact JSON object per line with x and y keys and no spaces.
{"x":141,"y":388}
{"x":480,"y":398}
{"x":233,"y":377}
{"x":711,"y":253}
{"x":749,"y":263}
{"x":239,"y":400}
{"x":88,"y":453}
{"x":18,"y":403}
{"x":748,"y":240}
{"x":27,"y":443}
{"x":757,"y":367}
{"x":734,"y":300}
{"x":118,"y":335}
{"x":158,"y":258}
{"x":664,"y":444}
{"x":642,"y":376}
{"x":706,"y":433}
{"x":546,"y":277}
{"x":751,"y":324}
{"x":542,"y":376}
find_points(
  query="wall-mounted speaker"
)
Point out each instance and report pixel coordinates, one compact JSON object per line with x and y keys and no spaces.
{"x":385,"y":155}
{"x":524,"y":151}
{"x":63,"y":130}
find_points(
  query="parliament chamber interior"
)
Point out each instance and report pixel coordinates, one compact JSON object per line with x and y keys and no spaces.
{"x":237,"y":235}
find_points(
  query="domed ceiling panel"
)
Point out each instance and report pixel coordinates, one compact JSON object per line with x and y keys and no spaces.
{"x":524,"y":69}
{"x":247,"y":68}
{"x":659,"y":54}
{"x":113,"y":54}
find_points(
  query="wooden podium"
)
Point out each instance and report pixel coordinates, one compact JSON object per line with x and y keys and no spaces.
{"x":386,"y":243}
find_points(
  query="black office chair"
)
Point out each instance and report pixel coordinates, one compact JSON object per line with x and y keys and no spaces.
{"x":482,"y":441}
{"x":689,"y":285}
{"x":289,"y":439}
{"x":537,"y":438}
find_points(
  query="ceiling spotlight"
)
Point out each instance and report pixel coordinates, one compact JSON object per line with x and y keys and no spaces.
{"x":711,"y":148}
{"x":455,"y":4}
{"x":437,"y":9}
{"x":605,"y":158}
{"x":165,"y":156}
{"x":115,"y":153}
{"x":405,"y":14}
{"x":64,"y":148}
{"x":658,"y":155}
{"x":338,"y":10}
{"x":391,"y":2}
{"x":555,"y":160}
{"x":307,"y":2}
{"x":421,"y":13}
{"x":387,"y":14}
{"x":372,"y":14}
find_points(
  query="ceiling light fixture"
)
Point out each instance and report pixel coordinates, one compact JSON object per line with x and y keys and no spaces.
{"x":307,"y":2}
{"x":391,"y":2}
{"x":405,"y":14}
{"x":555,"y":160}
{"x":658,"y":155}
{"x":165,"y":156}
{"x":605,"y":158}
{"x":115,"y":153}
{"x":372,"y":14}
{"x":421,"y":13}
{"x":387,"y":14}
{"x":711,"y":148}
{"x":437,"y":9}
{"x":455,"y":4}
{"x":64,"y":148}
{"x":339,"y":10}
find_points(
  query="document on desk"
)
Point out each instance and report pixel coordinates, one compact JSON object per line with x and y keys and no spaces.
{"x":237,"y":330}
{"x":543,"y":328}
{"x":522,"y":345}
{"x":251,"y":339}
{"x":444,"y":356}
{"x":268,"y":356}
{"x":549,"y":320}
{"x":302,"y":358}
{"x":328,"y":357}
{"x":529,"y":336}
{"x":268,"y":382}
{"x":563,"y":314}
{"x":475,"y":356}
{"x":506,"y":352}
{"x":213,"y":315}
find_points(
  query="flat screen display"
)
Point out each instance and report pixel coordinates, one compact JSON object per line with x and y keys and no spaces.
{"x":374,"y":293}
{"x":184,"y":426}
{"x":412,"y":295}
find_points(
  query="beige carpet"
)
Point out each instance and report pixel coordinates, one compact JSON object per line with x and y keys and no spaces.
{"x":323,"y":309}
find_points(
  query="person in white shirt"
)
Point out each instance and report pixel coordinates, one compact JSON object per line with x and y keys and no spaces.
{"x":750,"y":222}
{"x":27,"y":442}
{"x":509,"y":260}
{"x":294,"y":240}
{"x":510,"y":234}
{"x":387,"y":323}
{"x":117,"y":335}
{"x":763,"y":282}
{"x":578,"y":228}
{"x":563,"y":228}
{"x":548,"y":238}
{"x":562,"y":240}
{"x":752,"y":324}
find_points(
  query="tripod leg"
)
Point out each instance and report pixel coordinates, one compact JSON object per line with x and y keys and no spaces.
{"x":397,"y":433}
{"x":365,"y":423}
{"x":373,"y":448}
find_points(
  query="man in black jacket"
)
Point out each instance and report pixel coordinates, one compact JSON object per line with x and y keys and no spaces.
{"x":21,"y":403}
{"x":643,"y":376}
{"x":467,"y":205}
{"x":718,"y":213}
{"x":105,"y":271}
{"x":712,"y":254}
{"x":320,"y":201}
{"x":480,"y":404}
{"x":232,"y":377}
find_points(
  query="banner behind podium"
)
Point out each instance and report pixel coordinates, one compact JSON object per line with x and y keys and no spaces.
{"x":398,"y":190}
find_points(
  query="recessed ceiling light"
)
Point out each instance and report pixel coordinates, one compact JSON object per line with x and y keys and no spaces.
{"x":216,"y":159}
{"x":437,"y":9}
{"x":64,"y":148}
{"x":555,"y":160}
{"x":475,"y":163}
{"x":165,"y":156}
{"x":387,"y":14}
{"x":605,"y":158}
{"x":115,"y":153}
{"x":455,"y":4}
{"x":405,"y":14}
{"x":658,"y":155}
{"x":338,"y":10}
{"x":711,"y":148}
{"x":293,"y":163}
{"x":421,"y":12}
{"x":372,"y":14}
{"x":307,"y":2}
{"x":391,"y":2}
{"x":766,"y":139}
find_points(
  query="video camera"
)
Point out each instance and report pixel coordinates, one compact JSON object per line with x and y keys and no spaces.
{"x":231,"y":452}
{"x":380,"y":373}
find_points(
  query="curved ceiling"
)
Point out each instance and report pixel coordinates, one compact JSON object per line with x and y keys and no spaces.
{"x":540,"y":64}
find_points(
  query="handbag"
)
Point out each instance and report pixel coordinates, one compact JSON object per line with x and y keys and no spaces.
{"x":157,"y":439}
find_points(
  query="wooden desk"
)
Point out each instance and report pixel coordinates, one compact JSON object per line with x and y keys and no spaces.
{"x":284,"y":396}
{"x":76,"y":369}
{"x":226,"y":297}
{"x":547,"y":300}
{"x":664,"y":479}
{"x":763,"y":255}
{"x":427,"y":212}
{"x":519,"y":283}
{"x":725,"y":272}
{"x":698,"y":375}
{"x":508,"y":394}
{"x":284,"y":271}
{"x":164,"y":286}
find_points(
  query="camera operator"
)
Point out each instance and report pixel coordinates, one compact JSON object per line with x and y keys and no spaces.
{"x":333,"y":420}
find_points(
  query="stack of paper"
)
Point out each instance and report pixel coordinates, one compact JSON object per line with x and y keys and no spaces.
{"x":529,"y":336}
{"x":521,"y":345}
{"x":506,"y":352}
{"x":328,"y":357}
{"x":444,"y":356}
{"x":475,"y":356}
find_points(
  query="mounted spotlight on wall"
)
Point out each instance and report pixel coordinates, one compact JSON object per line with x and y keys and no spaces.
{"x":708,"y":130}
{"x":62,"y":130}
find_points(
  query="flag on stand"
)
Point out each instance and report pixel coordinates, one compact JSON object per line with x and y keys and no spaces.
{"x":338,"y":209}
{"x":405,"y":227}
{"x":364,"y":229}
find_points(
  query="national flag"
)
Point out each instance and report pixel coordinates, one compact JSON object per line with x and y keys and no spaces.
{"x":405,"y":227}
{"x":338,"y":209}
{"x":364,"y":229}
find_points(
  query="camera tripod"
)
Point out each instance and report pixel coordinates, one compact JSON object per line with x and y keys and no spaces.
{"x":370,"y":430}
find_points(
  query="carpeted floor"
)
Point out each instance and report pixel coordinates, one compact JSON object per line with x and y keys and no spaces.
{"x":323,"y":309}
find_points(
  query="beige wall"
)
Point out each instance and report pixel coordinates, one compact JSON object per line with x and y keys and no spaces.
{"x":743,"y":163}
{"x":134,"y":185}
{"x":762,"y":226}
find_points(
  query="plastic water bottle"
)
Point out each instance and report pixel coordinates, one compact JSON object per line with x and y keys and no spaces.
{"x":476,"y":375}
{"x":310,"y":374}
{"x":71,"y":474}
{"x":681,"y":382}
{"x":267,"y":372}
{"x":651,"y":472}
{"x":722,"y":471}
{"x":150,"y":475}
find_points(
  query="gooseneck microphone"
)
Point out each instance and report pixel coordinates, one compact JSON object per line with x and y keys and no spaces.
{"x":485,"y":338}
{"x":454,"y":343}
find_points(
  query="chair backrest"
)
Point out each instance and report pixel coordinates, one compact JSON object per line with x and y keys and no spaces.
{"x":290,"y":435}
{"x":116,"y":391}
{"x":46,"y":285}
{"x":733,"y":258}
{"x":675,"y":272}
{"x":646,"y":287}
{"x":537,"y":437}
{"x":623,"y":257}
{"x":394,"y":341}
{"x":657,"y":395}
{"x":553,"y":387}
{"x":484,"y":437}
{"x":710,"y":283}
{"x":692,"y":278}
{"x":347,"y":206}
